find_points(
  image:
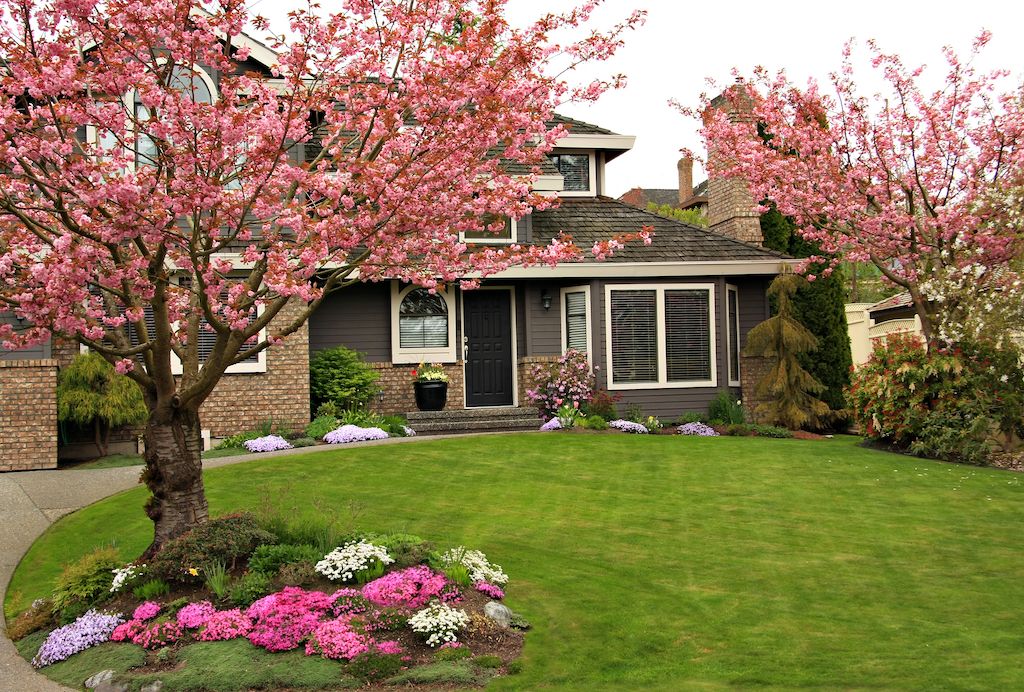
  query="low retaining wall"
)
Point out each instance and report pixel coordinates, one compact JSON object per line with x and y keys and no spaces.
{"x":28,"y":415}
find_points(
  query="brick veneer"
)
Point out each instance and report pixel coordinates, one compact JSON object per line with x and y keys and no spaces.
{"x":396,"y":390}
{"x":526,"y":381}
{"x":243,"y":401}
{"x":28,"y":414}
{"x":752,"y":370}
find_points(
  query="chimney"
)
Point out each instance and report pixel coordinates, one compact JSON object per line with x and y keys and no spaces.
{"x":730,"y":206}
{"x":685,"y":168}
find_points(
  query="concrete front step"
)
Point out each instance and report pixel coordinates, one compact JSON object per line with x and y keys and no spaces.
{"x":475,"y":425}
{"x":469,"y":414}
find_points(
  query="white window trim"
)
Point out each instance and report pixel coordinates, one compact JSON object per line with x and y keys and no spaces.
{"x":515,"y":346}
{"x":729,"y":288}
{"x":592,"y":191}
{"x":406,"y":356}
{"x":659,"y":290}
{"x":586,"y":303}
{"x":260,"y":366}
{"x":494,"y":240}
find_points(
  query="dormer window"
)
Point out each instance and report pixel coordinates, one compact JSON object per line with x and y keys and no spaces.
{"x":577,"y":170}
{"x":483,"y":236}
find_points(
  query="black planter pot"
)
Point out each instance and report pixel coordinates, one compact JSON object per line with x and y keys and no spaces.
{"x":430,"y":396}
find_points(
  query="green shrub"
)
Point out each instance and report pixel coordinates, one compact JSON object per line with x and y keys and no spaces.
{"x":249,"y":588}
{"x":393,"y":425}
{"x":456,"y":654}
{"x":488,"y":661}
{"x":372,"y":666}
{"x":958,"y":405}
{"x":360,"y":417}
{"x":151,"y":589}
{"x":691,"y":417}
{"x":171,"y":609}
{"x":304,"y":442}
{"x":724,"y":409}
{"x":442,"y":673}
{"x":328,"y":408}
{"x":268,"y":559}
{"x":339,"y":375}
{"x":386,"y":620}
{"x":771,"y":431}
{"x":85,"y":582}
{"x":216,"y":578}
{"x":297,"y":574}
{"x":238,"y":440}
{"x":635,"y":413}
{"x":32,"y":620}
{"x":602,"y":404}
{"x":518,"y":622}
{"x":592,"y":422}
{"x":229,"y":539}
{"x":320,"y":426}
{"x":91,"y":392}
{"x":406,"y":549}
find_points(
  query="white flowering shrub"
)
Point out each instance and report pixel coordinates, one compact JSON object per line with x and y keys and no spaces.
{"x":480,"y":569}
{"x":348,"y":561}
{"x":439,"y":622}
{"x":126,"y":575}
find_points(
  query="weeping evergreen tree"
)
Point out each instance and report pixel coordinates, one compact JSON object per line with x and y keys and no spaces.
{"x":91,"y":392}
{"x":788,"y":388}
{"x":820,"y":306}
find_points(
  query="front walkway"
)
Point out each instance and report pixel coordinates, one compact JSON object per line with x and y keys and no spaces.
{"x":32,"y":500}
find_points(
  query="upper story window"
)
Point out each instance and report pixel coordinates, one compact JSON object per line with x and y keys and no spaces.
{"x":506,"y":235}
{"x":190,"y":82}
{"x":578,"y":173}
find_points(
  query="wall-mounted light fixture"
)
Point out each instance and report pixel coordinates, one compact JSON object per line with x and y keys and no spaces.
{"x":545,"y":299}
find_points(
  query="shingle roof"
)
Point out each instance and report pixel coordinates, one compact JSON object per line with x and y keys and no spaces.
{"x":589,"y":220}
{"x":577,"y":127}
{"x":900,"y":300}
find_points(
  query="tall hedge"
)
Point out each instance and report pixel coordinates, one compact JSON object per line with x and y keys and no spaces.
{"x":820,"y":306}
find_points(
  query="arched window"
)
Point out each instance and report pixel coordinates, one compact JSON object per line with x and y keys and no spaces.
{"x":422,"y":320}
{"x":195,"y":83}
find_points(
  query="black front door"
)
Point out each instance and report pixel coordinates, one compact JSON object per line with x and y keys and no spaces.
{"x":488,"y":333}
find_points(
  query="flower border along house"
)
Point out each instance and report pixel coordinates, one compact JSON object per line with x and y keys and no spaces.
{"x":663,"y":324}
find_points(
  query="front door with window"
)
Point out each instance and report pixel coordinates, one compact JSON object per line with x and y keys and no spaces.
{"x":488,"y":333}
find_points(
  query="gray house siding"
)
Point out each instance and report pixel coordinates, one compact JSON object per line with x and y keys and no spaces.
{"x":357,"y":317}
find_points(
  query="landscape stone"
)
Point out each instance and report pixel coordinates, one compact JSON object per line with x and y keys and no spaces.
{"x":499,"y":613}
{"x":112,"y":687}
{"x":104,"y":676}
{"x":154,"y":686}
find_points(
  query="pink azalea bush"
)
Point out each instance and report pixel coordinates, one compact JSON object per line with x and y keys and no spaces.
{"x":146,"y":611}
{"x":127,"y":631}
{"x":158,"y":634}
{"x":489,"y":589}
{"x":225,"y":624}
{"x":337,"y":639}
{"x":409,"y":588}
{"x":283,"y":620}
{"x":195,"y":614}
{"x":569,"y":380}
{"x":348,"y":602}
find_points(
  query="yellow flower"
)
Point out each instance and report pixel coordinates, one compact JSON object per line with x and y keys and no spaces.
{"x":193,"y":571}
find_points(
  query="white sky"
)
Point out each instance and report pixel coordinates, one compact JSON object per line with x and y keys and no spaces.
{"x":684,"y":43}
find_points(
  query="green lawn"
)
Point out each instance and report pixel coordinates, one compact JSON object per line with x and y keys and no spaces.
{"x":675,"y":563}
{"x":117,"y":460}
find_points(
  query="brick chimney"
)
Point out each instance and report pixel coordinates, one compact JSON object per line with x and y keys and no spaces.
{"x":730,"y":205}
{"x":685,"y":169}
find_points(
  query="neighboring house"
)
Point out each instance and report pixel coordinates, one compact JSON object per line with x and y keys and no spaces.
{"x":872,"y":323}
{"x":663,"y":325}
{"x":686,"y":196}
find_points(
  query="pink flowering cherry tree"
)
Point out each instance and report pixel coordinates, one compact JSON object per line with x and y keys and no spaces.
{"x":901,"y":179}
{"x":143,"y":202}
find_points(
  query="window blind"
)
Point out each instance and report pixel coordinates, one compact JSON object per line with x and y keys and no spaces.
{"x":422,"y":320}
{"x":687,"y":335}
{"x":575,"y":170}
{"x":576,"y":321}
{"x":734,"y":335}
{"x":634,"y":335}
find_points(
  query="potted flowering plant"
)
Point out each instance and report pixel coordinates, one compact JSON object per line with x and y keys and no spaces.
{"x":430,"y":383}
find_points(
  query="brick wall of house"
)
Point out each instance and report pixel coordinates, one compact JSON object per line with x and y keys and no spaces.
{"x":28,"y":414}
{"x":752,"y":370}
{"x":526,"y":380}
{"x":243,"y":401}
{"x":730,"y":204}
{"x":396,"y":390}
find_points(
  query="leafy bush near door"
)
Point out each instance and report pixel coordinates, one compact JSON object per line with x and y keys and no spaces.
{"x":567,"y":381}
{"x":91,"y":392}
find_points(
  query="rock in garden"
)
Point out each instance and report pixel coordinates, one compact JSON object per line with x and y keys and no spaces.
{"x":104,"y":676}
{"x":499,"y":613}
{"x":154,"y":686}
{"x":111,"y":687}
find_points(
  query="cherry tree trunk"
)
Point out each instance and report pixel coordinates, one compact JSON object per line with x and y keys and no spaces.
{"x":174,"y":475}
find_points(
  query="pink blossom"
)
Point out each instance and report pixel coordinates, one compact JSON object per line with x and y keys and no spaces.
{"x":146,"y":611}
